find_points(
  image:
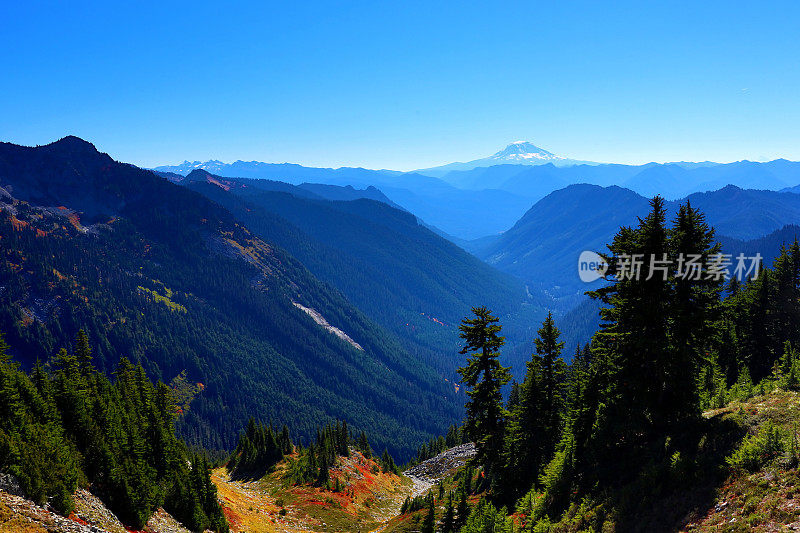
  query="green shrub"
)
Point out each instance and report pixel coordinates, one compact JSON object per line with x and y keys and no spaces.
{"x":556,"y":479}
{"x":760,"y":449}
{"x":743,"y":388}
{"x":485,"y":518}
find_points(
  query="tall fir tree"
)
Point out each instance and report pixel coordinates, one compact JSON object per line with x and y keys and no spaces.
{"x":553,"y":372}
{"x":636,"y":397}
{"x":634,"y":340}
{"x":484,"y":376}
{"x":429,"y":524}
{"x":535,"y":418}
{"x":462,"y":510}
{"x":83,"y":352}
{"x":694,"y":313}
{"x":449,"y":519}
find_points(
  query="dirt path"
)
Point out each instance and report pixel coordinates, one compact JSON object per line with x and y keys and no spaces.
{"x":415,"y":488}
{"x":420,"y":485}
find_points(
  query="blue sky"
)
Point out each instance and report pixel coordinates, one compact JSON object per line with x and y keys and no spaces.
{"x":403,"y":84}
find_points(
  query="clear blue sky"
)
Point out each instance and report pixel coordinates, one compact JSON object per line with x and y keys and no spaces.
{"x":403,"y":84}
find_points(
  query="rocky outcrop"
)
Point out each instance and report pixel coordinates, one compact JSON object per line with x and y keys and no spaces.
{"x":429,"y":472}
{"x":90,"y":516}
{"x":10,"y":484}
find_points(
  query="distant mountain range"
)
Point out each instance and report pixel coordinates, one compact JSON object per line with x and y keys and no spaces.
{"x":671,"y":180}
{"x":543,"y":246}
{"x":487,"y":196}
{"x":529,"y":212}
{"x":516,"y":153}
{"x":451,"y":210}
{"x":286,"y":172}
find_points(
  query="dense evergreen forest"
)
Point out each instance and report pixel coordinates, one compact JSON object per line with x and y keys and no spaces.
{"x":410,"y":280}
{"x":66,"y":425}
{"x":157,"y":273}
{"x":598,"y":442}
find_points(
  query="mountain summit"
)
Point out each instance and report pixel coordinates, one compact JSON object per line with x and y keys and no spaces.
{"x":524,"y":152}
{"x":516,"y":153}
{"x":212,"y":166}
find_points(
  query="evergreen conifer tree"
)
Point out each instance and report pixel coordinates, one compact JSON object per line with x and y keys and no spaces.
{"x":553,"y":372}
{"x":462,"y":510}
{"x":429,"y":524}
{"x":535,"y":422}
{"x":484,"y":377}
{"x":83,"y":352}
{"x":449,"y":520}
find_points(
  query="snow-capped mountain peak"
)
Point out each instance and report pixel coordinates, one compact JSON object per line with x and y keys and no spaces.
{"x":213,"y":166}
{"x":516,"y":153}
{"x":525,"y":152}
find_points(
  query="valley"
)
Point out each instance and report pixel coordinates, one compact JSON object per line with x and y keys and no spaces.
{"x":333,"y":311}
{"x":399,"y":267}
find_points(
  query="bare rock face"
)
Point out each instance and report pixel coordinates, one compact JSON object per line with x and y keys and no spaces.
{"x":162,"y":522}
{"x":10,"y":484}
{"x":19,"y":514}
{"x":90,"y":516}
{"x":89,"y":509}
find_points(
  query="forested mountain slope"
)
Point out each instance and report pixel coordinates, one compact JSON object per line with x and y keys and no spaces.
{"x":544,"y":245}
{"x":158,"y":273}
{"x":769,"y":246}
{"x":747,"y":213}
{"x":398,"y":272}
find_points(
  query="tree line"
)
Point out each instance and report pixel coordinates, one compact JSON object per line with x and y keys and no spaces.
{"x":261,"y":447}
{"x":65,"y":425}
